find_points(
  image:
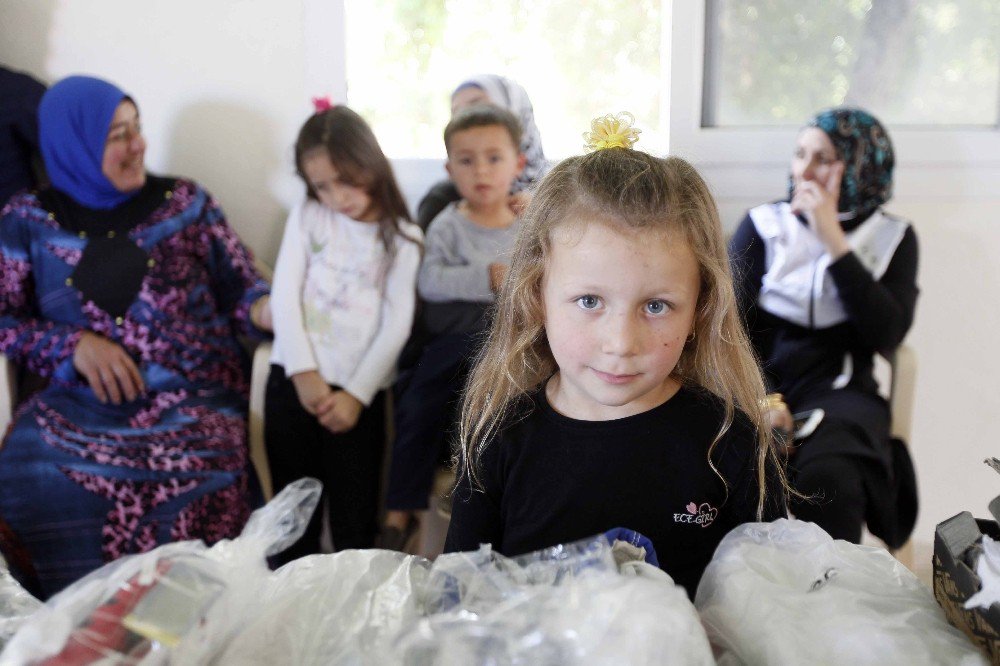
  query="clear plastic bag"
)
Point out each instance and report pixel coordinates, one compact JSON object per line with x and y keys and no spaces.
{"x":179,"y":603}
{"x":16,"y":605}
{"x":563,"y":605}
{"x":378,"y":607}
{"x":342,"y":608}
{"x":184,"y":603}
{"x":787,"y":593}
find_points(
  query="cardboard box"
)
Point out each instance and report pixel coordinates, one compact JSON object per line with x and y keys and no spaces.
{"x":955,"y":579}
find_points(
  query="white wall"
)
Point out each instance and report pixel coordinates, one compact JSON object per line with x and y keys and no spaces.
{"x":224,"y":85}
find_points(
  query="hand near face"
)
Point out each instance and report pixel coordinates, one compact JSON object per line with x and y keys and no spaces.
{"x":339,"y":412}
{"x":818,"y":203}
{"x":107,"y":367}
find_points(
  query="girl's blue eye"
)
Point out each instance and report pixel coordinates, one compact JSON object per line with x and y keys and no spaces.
{"x":656,"y":307}
{"x":588,"y":302}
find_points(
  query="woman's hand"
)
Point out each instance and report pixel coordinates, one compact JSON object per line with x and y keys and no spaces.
{"x":311,"y":389}
{"x":107,"y":367}
{"x":260,"y":314}
{"x":780,"y":418}
{"x":339,"y":412}
{"x":819,"y":204}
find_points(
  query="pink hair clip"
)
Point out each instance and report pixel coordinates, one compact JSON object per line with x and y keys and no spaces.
{"x":321,"y":104}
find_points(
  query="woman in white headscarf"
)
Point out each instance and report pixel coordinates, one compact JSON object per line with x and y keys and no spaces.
{"x":501,"y":91}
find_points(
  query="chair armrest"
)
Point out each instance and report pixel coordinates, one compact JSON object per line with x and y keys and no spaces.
{"x":8,"y":394}
{"x":258,"y":383}
{"x":904,"y":382}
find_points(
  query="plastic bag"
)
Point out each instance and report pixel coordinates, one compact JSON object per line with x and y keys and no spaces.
{"x":15,"y":604}
{"x":184,"y":603}
{"x":342,"y":608}
{"x":785,"y":593}
{"x":563,"y":605}
{"x":179,"y":603}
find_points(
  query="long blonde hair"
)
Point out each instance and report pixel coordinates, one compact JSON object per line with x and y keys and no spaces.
{"x":630,"y":190}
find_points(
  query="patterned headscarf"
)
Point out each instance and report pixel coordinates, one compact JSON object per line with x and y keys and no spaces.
{"x":73,"y":121}
{"x":864,"y":146}
{"x":511,"y":96}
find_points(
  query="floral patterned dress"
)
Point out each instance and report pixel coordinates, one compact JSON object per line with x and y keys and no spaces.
{"x":84,"y":482}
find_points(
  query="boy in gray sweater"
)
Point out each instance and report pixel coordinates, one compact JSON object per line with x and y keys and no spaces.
{"x":465,"y":258}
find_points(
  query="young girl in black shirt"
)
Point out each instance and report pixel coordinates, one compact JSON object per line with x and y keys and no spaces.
{"x":616,"y":387}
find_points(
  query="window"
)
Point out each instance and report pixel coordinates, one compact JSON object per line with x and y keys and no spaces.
{"x":576,"y":60}
{"x":911,"y":62}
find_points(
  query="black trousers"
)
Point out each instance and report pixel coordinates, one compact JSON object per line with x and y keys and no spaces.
{"x":844,"y":491}
{"x":426,"y":410}
{"x":349,"y":465}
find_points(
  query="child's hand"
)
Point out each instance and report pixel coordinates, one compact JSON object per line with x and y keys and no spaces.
{"x":518,"y":202}
{"x":497,"y":273}
{"x":311,"y":389}
{"x":339,"y":412}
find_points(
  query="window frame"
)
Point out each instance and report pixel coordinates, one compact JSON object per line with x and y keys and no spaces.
{"x":919,"y":147}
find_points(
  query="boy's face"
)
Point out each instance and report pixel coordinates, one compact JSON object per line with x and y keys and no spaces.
{"x":483,"y":162}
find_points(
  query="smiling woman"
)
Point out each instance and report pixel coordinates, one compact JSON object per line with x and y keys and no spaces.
{"x":125,"y":149}
{"x":127,"y":291}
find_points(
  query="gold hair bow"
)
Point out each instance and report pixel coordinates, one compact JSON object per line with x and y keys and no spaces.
{"x":612,"y":131}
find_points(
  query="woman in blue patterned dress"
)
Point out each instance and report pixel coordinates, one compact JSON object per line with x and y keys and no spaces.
{"x":127,"y":291}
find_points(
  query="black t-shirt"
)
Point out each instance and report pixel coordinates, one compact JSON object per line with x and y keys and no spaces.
{"x":549,"y":479}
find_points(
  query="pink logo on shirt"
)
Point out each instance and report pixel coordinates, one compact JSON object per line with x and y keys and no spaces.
{"x":703,"y":515}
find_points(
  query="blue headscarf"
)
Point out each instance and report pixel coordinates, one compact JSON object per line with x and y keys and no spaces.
{"x":73,"y":121}
{"x":864,"y":146}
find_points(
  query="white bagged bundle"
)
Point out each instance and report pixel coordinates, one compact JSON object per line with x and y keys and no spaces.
{"x":564,"y":605}
{"x":342,"y":608}
{"x":785,"y":592}
{"x":177,"y":604}
{"x":15,"y":604}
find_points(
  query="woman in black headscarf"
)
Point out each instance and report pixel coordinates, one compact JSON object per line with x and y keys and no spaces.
{"x":827,"y":279}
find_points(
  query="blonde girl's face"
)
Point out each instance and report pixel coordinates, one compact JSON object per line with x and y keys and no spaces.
{"x":619,"y":306}
{"x":335,"y":191}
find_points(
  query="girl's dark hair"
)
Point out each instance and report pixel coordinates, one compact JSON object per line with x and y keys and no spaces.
{"x":359,"y":160}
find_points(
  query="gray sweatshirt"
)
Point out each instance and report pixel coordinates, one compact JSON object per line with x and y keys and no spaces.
{"x":454,"y":276}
